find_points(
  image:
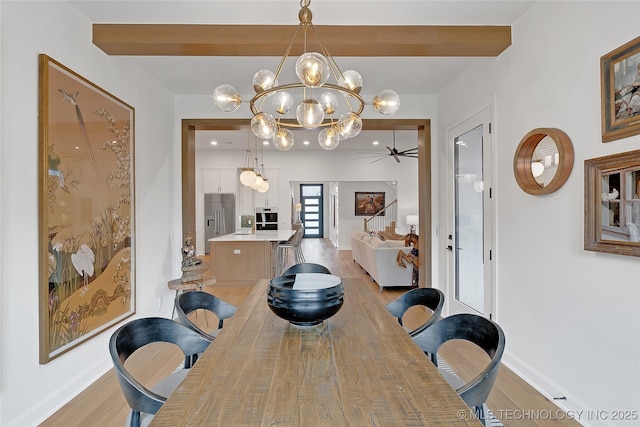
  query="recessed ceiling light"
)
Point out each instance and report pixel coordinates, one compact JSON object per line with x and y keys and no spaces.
{"x":214,"y":142}
{"x":265,"y":142}
{"x":375,"y":142}
{"x":305,"y":143}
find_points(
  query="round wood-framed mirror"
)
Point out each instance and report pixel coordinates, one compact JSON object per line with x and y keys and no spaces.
{"x":543,"y":161}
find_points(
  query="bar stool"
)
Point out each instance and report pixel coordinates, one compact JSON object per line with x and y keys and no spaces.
{"x":293,"y":244}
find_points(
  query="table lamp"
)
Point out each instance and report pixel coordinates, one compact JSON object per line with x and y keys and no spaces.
{"x":412,"y":221}
{"x":298,"y":208}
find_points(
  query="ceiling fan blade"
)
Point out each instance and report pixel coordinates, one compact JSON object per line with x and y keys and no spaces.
{"x":409,"y":151}
{"x":371,"y":156}
{"x":377,"y":160}
{"x":393,"y":152}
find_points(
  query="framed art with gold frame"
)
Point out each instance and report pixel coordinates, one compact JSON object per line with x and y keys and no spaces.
{"x":620,"y":85}
{"x":612,"y":204}
{"x":86,"y":209}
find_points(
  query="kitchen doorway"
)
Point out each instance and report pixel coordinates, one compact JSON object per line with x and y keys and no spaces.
{"x":311,"y":215}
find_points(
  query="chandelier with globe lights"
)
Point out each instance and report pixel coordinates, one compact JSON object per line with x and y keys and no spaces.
{"x":319,"y":101}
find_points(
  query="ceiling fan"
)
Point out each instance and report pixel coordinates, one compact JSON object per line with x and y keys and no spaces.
{"x":394,"y":152}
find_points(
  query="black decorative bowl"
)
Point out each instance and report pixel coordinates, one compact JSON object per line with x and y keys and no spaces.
{"x":314,"y":298}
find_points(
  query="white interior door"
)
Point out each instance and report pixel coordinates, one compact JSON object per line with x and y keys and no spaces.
{"x":470,"y":231}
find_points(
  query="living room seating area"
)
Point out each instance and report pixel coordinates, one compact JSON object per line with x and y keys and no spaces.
{"x":378,"y":258}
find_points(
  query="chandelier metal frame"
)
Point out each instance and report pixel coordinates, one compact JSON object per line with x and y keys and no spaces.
{"x":311,"y":114}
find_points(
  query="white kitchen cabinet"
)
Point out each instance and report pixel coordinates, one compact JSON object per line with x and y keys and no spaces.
{"x":219,"y":180}
{"x":270,"y":197}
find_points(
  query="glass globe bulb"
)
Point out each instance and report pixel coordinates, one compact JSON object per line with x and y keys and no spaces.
{"x":352,"y":80}
{"x":247,"y":177}
{"x":264,"y":187}
{"x":282,"y":102}
{"x":312,"y":69}
{"x":309,"y":114}
{"x":386,"y":102}
{"x":258,"y":182}
{"x":328,"y":138}
{"x":329,"y":102}
{"x":264,"y":126}
{"x":283,"y":140}
{"x":263,"y":80}
{"x":226,"y":98}
{"x":349,"y":125}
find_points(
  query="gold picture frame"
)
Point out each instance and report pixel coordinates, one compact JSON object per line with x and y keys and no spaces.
{"x":612,"y":204}
{"x":620,"y":85}
{"x":86,"y":209}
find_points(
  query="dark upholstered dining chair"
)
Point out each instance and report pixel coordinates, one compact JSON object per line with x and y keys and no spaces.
{"x":482,"y":332}
{"x":135,"y":335}
{"x":306,"y":267}
{"x":431,"y":298}
{"x":188,"y":302}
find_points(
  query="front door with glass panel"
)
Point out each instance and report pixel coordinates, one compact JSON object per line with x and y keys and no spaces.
{"x":312,"y":209}
{"x":470,"y":236}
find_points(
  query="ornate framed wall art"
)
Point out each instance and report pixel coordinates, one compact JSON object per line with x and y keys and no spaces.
{"x":612,"y":204}
{"x":620,"y":74}
{"x":86,"y":209}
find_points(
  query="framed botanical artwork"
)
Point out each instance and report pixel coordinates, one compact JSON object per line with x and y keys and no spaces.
{"x":369,"y":203}
{"x":86,"y":209}
{"x":612,"y":204}
{"x":620,"y":85}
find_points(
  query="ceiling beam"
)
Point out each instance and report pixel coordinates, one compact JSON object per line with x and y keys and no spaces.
{"x":272,"y":40}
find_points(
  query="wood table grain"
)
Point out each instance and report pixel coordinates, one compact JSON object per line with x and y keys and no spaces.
{"x":358,"y":368}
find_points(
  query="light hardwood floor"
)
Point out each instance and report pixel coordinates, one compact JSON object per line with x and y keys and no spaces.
{"x":513,"y":401}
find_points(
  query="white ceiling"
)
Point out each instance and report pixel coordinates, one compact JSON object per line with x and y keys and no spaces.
{"x":200,"y":75}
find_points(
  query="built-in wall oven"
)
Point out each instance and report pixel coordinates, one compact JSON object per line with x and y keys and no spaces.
{"x":266,"y":218}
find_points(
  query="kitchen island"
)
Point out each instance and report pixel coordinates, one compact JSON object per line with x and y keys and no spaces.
{"x":243,"y":258}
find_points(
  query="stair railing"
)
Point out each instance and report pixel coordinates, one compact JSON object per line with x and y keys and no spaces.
{"x":384,"y":220}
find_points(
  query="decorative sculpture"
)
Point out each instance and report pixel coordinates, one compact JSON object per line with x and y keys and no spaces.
{"x":188,"y":252}
{"x":190,"y":263}
{"x":410,"y":240}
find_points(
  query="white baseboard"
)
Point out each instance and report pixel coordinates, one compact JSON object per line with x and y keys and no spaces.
{"x":43,"y":409}
{"x":570,"y":404}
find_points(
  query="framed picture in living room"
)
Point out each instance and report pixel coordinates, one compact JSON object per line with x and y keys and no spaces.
{"x":86,"y":209}
{"x":369,"y":203}
{"x":612,"y":204}
{"x":620,"y":86}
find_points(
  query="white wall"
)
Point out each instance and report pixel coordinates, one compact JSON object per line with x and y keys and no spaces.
{"x":29,"y":391}
{"x":571,"y":317}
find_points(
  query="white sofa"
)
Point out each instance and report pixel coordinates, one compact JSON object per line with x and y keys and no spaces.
{"x":378,"y":257}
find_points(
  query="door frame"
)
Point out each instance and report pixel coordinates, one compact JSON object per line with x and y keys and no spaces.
{"x":482,"y":116}
{"x":320,"y":208}
{"x":423,"y":127}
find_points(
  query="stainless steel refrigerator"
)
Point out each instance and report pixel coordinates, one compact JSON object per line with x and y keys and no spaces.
{"x":219,"y":216}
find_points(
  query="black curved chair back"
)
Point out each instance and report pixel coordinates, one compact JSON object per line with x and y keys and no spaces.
{"x":306,"y":267}
{"x":431,"y":298}
{"x":136,"y":334}
{"x":485,"y":333}
{"x":188,"y":302}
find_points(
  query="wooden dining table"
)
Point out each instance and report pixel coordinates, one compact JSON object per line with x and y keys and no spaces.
{"x":357,"y":368}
